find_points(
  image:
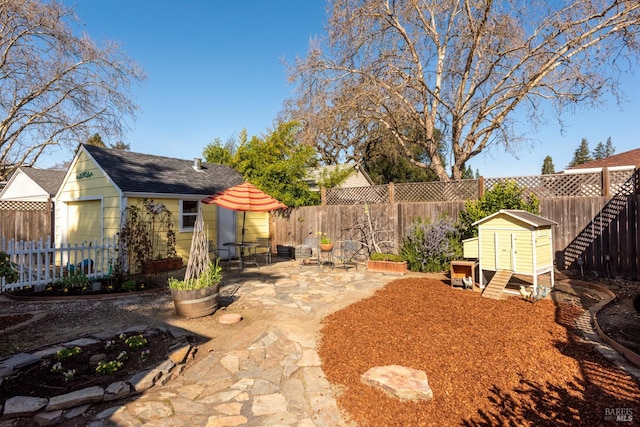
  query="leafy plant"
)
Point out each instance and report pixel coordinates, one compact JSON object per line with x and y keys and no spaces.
{"x":504,"y":195}
{"x":430,"y":247}
{"x":136,"y":341}
{"x":106,"y":368}
{"x":8,"y":269}
{"x":210,"y":277}
{"x":378,"y":256}
{"x":324,"y":239}
{"x":66,"y":353}
{"x":74,"y":279}
{"x":129,"y":285}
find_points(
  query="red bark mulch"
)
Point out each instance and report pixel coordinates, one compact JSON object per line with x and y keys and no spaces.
{"x":489,"y":362}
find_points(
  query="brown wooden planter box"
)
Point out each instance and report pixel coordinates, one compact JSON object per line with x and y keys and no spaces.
{"x":387,"y":266}
{"x":165,"y":264}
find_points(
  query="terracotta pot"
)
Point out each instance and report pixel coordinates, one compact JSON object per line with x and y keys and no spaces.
{"x":326,"y":246}
{"x":193,"y":303}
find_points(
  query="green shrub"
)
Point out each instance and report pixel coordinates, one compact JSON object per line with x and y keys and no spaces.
{"x":504,"y":195}
{"x":430,"y":247}
{"x":377,"y":256}
{"x":8,"y":269}
{"x":129,"y":285}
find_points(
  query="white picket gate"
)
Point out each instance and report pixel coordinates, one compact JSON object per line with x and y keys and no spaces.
{"x":40,"y":263}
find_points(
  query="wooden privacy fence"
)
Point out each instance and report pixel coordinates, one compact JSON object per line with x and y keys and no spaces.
{"x":40,"y":263}
{"x":21,"y":220}
{"x":603,"y":231}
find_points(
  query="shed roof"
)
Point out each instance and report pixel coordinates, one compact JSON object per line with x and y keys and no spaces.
{"x":524,"y":216}
{"x":48,"y":179}
{"x":149,"y":174}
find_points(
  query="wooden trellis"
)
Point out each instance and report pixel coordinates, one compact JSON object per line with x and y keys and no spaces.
{"x":199,"y":253}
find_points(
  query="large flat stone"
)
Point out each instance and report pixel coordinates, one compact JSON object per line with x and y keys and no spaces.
{"x":19,"y":360}
{"x":23,"y":406}
{"x":399,"y":381}
{"x":76,"y":398}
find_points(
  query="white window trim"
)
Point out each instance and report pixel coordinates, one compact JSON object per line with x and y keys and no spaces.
{"x":182,"y":215}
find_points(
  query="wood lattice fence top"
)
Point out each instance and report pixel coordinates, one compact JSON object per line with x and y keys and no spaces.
{"x":587,"y":184}
{"x":19,"y":205}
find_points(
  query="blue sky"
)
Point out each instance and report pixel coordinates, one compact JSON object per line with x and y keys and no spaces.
{"x":214,"y":68}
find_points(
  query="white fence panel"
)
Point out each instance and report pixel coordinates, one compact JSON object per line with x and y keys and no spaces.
{"x":39,"y":263}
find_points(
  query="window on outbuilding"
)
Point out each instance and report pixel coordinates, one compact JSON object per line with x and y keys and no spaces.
{"x":188,"y":213}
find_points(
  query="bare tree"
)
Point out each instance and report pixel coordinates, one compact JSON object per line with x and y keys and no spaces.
{"x":57,"y":88}
{"x":459,"y":66}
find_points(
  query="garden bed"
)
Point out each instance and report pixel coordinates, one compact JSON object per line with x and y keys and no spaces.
{"x":44,"y":379}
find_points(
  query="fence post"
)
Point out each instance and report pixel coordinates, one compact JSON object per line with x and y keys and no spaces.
{"x":480,"y":187}
{"x":391,"y":193}
{"x":606,"y":186}
{"x":323,"y":196}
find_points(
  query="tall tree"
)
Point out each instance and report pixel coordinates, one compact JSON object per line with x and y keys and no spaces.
{"x":276,"y":163}
{"x":603,"y":150}
{"x":57,"y":88}
{"x":462,"y":66}
{"x":547,"y":166}
{"x":581,"y":154}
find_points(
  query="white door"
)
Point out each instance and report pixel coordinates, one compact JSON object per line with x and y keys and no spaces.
{"x":226,"y":228}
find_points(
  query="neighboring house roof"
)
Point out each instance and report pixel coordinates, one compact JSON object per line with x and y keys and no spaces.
{"x":524,"y":216}
{"x":628,"y":158}
{"x":29,"y":183}
{"x":149,"y":174}
{"x":359,"y":179}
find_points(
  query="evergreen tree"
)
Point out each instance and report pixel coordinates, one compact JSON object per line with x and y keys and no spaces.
{"x":547,"y":166}
{"x":581,"y":155}
{"x":468,"y":173}
{"x":603,"y":150}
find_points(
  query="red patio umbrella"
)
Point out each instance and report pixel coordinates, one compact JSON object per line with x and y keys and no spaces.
{"x":244,"y":197}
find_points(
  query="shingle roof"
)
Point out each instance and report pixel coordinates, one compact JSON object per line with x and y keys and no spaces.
{"x":146,"y":173}
{"x":49,"y":179}
{"x":531,"y":219}
{"x":628,"y":158}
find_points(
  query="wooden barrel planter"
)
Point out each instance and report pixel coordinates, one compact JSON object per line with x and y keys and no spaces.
{"x":193,"y":303}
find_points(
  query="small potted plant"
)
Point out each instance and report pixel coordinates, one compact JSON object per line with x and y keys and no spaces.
{"x":386,"y":263}
{"x":325,"y":242}
{"x":197,"y":297}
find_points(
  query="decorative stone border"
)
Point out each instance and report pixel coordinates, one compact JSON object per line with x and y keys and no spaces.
{"x":66,"y":406}
{"x":628,"y":354}
{"x":157,"y":290}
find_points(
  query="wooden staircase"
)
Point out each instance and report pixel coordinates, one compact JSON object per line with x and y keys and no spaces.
{"x":496,"y":286}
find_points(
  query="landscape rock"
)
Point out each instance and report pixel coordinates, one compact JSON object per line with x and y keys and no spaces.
{"x":23,"y":406}
{"x":145,"y":379}
{"x":48,"y":418}
{"x":399,"y":381}
{"x":76,"y":398}
{"x":116,"y":390}
{"x":78,"y":410}
{"x":179,"y":354}
{"x":230,"y":318}
{"x":19,"y":360}
{"x":80,"y":342}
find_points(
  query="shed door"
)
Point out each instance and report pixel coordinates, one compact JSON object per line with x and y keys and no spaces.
{"x":504,"y":251}
{"x":84,"y":221}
